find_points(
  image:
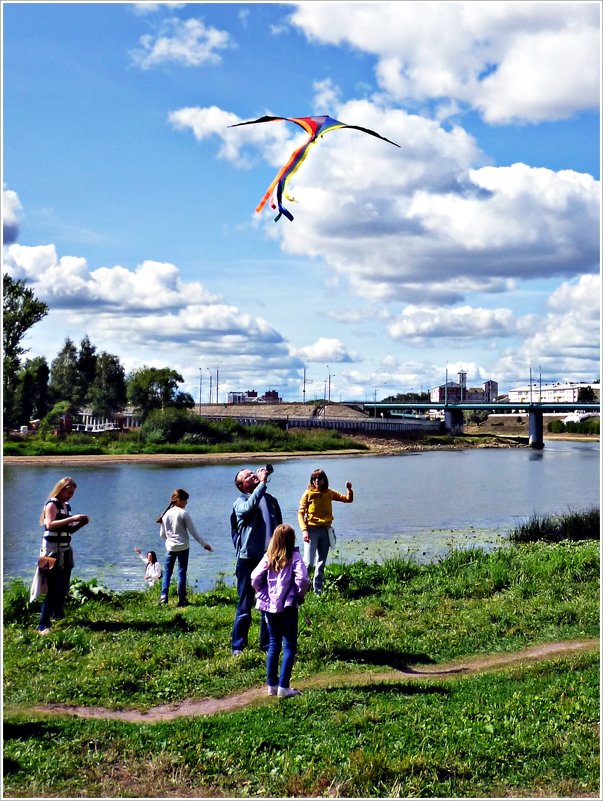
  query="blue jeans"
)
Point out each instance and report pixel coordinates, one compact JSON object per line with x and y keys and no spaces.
{"x":170,"y":559}
{"x":316,"y":551}
{"x":282,"y":627}
{"x":246,"y":593}
{"x":54,"y":603}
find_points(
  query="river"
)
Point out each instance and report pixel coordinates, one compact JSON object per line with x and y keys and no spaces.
{"x":415,"y":505}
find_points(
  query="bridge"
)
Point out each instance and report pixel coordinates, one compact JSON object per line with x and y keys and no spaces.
{"x":453,"y":412}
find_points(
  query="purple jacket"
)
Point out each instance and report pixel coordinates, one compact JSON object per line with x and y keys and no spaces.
{"x":277,"y":590}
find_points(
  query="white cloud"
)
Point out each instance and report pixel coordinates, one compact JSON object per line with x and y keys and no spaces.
{"x":189,"y":43}
{"x":564,"y":343}
{"x":326,"y":349}
{"x":427,"y":223}
{"x":151,"y":8}
{"x":11,"y":216}
{"x":512,"y":61}
{"x":463,"y":322}
{"x":148,"y":315}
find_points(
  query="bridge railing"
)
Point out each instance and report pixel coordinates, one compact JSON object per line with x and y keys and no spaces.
{"x":350,"y":425}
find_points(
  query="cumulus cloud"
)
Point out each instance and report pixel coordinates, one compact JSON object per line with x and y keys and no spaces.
{"x":11,"y":216}
{"x":511,"y":61}
{"x":149,"y":314}
{"x":463,"y":322}
{"x":565,"y":343}
{"x":428,"y":223}
{"x":151,"y":8}
{"x":189,"y":43}
{"x":324,"y":350}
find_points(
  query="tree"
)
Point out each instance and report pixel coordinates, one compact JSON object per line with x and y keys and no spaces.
{"x":64,"y":375}
{"x":86,"y":370}
{"x":31,"y":397}
{"x":587,"y":395}
{"x":21,"y":310}
{"x":151,"y":388}
{"x":107,"y":392}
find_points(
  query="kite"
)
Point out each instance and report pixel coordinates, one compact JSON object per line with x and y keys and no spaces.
{"x":314,"y":127}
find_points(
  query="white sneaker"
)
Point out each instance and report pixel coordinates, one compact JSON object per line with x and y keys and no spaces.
{"x":287,"y":692}
{"x":272,"y":689}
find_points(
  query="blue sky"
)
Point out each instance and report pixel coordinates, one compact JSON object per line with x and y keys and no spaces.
{"x":129,"y":205}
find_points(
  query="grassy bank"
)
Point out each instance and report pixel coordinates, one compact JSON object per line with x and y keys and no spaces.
{"x":520,"y":731}
{"x":228,"y":437}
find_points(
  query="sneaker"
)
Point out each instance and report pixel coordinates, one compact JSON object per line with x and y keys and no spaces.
{"x":43,"y":632}
{"x":236,"y":652}
{"x":272,"y":689}
{"x":287,"y":692}
{"x":163,"y":599}
{"x":183,"y":603}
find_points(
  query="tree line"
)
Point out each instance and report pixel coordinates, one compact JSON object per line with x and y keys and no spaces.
{"x":78,"y":377}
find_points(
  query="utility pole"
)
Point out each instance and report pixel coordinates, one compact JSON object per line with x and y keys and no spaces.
{"x":217,"y":383}
{"x":200,"y":386}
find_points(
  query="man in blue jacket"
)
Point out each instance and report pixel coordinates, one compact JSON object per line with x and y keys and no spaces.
{"x":256,"y":514}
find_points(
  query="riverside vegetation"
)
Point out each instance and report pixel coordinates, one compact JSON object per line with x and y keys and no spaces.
{"x":175,"y":431}
{"x":365,"y":726}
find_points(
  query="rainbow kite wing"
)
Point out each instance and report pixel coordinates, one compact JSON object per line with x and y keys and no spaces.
{"x":314,"y":127}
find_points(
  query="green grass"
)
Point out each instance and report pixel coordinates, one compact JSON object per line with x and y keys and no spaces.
{"x":522,"y":731}
{"x":260,"y":438}
{"x":574,"y":526}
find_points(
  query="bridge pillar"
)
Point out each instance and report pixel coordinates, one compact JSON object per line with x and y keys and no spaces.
{"x":535,"y":429}
{"x":453,"y":421}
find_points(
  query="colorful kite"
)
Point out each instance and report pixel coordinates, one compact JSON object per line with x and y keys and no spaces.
{"x":314,"y":127}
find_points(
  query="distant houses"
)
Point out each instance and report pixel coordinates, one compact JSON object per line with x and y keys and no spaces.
{"x":458,"y":391}
{"x":555,"y":393}
{"x":251,"y":396}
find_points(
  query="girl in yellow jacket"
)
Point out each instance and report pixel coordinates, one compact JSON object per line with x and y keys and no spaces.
{"x":315,"y":517}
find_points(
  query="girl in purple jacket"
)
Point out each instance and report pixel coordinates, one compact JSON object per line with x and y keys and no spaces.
{"x":281,"y":583}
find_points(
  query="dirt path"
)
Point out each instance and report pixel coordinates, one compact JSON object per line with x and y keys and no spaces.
{"x":211,"y":706}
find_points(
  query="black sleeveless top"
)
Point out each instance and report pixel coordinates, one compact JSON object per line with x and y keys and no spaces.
{"x":61,"y":536}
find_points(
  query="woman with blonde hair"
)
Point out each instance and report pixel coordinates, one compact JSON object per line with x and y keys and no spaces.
{"x":59,"y":524}
{"x":281,"y":583}
{"x":176,"y":526}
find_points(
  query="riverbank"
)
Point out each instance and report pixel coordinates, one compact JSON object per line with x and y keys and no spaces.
{"x":373,"y":446}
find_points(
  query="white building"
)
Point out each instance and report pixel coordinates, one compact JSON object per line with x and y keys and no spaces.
{"x":551,"y":393}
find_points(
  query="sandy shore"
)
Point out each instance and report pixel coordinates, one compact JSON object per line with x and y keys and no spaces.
{"x":167,"y":458}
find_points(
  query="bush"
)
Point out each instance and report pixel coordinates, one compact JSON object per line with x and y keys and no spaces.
{"x":15,"y":603}
{"x":555,"y":427}
{"x":169,"y":425}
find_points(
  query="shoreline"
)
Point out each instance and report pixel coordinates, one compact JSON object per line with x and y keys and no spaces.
{"x":375,"y":448}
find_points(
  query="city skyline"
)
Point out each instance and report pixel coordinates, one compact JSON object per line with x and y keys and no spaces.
{"x":129,"y":203}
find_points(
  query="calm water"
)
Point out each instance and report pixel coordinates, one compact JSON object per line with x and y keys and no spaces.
{"x":415,"y":505}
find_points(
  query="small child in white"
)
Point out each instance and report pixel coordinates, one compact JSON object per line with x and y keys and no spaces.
{"x":281,"y":583}
{"x":153,"y":570}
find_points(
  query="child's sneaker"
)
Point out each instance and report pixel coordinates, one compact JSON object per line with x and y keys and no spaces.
{"x":287,"y":692}
{"x":272,"y":689}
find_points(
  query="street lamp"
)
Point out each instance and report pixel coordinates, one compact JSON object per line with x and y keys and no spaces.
{"x":210,"y":385}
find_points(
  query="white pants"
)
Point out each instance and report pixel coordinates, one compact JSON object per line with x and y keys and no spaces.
{"x":315,"y":554}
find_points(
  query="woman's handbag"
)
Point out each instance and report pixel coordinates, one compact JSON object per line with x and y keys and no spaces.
{"x":332,"y":537}
{"x":46,"y":562}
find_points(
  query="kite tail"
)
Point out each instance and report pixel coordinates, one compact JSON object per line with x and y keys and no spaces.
{"x":282,"y":211}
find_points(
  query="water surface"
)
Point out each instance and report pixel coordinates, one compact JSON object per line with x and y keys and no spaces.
{"x":413,"y":504}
